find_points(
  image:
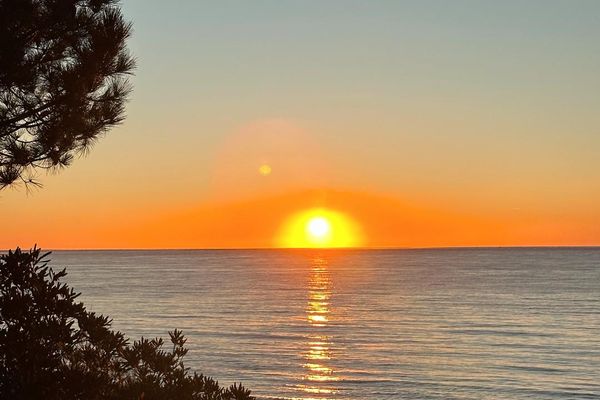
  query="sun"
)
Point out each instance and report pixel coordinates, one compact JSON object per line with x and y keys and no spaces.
{"x":319,"y":228}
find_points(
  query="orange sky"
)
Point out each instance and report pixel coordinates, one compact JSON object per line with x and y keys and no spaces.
{"x":429,"y":124}
{"x":238,"y":205}
{"x":385,"y":221}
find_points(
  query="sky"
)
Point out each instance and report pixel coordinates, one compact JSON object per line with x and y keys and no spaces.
{"x":428,"y":123}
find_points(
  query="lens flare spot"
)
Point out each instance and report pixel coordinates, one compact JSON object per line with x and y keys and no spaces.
{"x":265,"y":170}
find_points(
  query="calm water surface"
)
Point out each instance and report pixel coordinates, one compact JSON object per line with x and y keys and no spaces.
{"x":369,"y":324}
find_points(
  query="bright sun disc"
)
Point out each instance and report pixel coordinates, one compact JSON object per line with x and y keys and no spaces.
{"x":319,"y":227}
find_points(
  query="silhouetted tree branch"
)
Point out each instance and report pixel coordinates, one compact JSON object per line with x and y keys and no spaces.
{"x":63,"y":81}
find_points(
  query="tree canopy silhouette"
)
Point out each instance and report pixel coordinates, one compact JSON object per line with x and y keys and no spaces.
{"x":52,"y":348}
{"x":63,"y":81}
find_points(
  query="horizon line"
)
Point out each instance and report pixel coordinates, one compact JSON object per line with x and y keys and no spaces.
{"x":574,"y":246}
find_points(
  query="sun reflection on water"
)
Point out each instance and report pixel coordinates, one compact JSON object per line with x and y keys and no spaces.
{"x":318,"y":376}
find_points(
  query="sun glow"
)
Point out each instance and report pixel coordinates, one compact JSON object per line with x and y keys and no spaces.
{"x":320,"y":227}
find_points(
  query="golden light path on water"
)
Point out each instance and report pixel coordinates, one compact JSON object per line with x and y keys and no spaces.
{"x":319,"y":376}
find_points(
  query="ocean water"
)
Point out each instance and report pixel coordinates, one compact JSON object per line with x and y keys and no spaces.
{"x":519,"y":323}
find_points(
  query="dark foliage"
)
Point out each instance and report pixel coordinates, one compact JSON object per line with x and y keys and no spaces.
{"x":63,"y":81}
{"x":51,"y":347}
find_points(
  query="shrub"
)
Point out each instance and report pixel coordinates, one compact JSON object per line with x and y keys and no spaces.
{"x":51,"y":347}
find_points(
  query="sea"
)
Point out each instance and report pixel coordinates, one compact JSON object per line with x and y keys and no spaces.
{"x":468,"y":323}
